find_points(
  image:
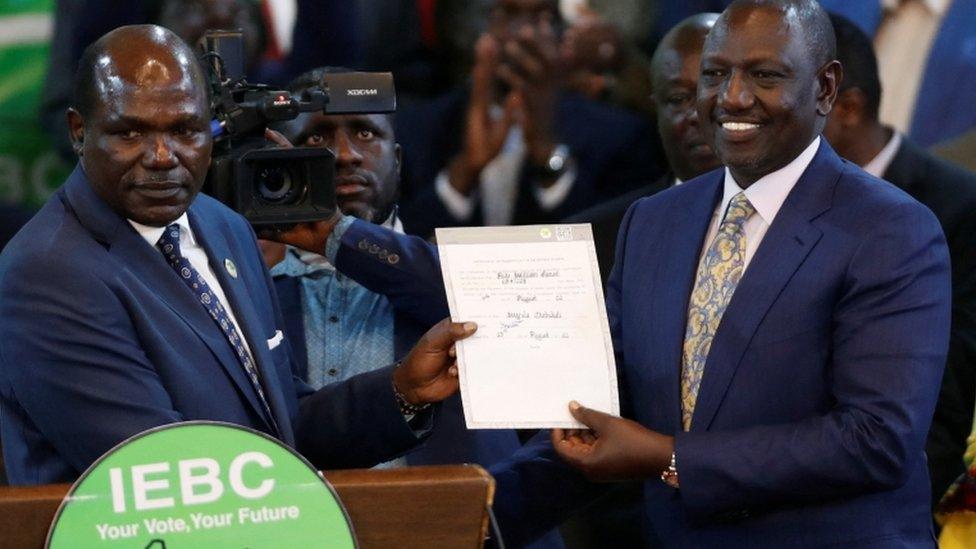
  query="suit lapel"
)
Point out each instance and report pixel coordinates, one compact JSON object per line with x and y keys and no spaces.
{"x":687,"y":226}
{"x":787,"y":243}
{"x":212,"y":237}
{"x":148,"y":265}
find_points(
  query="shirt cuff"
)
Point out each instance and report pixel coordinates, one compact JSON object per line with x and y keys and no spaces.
{"x":549,"y":198}
{"x":335,"y":239}
{"x":459,"y":206}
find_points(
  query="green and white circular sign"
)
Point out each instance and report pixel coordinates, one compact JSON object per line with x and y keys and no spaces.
{"x":201,"y":484}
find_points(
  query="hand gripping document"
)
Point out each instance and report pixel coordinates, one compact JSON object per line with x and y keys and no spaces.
{"x":543,"y":337}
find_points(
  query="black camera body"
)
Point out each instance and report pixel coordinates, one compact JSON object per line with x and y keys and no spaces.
{"x":273,"y":186}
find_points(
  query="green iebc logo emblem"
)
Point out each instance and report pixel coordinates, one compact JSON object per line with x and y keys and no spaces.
{"x":201,"y":484}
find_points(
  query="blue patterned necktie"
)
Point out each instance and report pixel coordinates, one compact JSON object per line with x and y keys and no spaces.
{"x":718,"y":274}
{"x":169,"y":244}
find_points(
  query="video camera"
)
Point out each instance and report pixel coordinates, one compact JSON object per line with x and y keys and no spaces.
{"x":272,"y":186}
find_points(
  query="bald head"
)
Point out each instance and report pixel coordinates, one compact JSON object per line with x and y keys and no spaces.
{"x":805,"y":16}
{"x":141,"y":124}
{"x":674,"y":78}
{"x":768,"y":81}
{"x":686,"y":37}
{"x":135,"y":55}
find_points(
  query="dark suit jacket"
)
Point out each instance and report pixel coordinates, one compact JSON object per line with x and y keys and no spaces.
{"x":950,"y":192}
{"x":12,"y":218}
{"x":819,"y":386}
{"x":102,"y":340}
{"x":615,"y":152}
{"x":605,"y":220}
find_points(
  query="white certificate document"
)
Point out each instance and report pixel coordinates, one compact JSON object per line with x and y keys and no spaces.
{"x":543,"y":338}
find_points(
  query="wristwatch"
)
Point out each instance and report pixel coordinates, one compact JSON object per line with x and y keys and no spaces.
{"x":554,"y":166}
{"x":670,"y":475}
{"x":407,"y":409}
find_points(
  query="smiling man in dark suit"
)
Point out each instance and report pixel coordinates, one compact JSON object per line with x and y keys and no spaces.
{"x":130,"y":301}
{"x":855,"y":131}
{"x":781,"y":327}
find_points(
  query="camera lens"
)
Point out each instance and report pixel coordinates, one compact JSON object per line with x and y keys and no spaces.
{"x":276,"y":185}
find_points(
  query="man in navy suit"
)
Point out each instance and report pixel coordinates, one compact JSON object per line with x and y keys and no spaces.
{"x":781,"y":327}
{"x":130,"y":301}
{"x":792,"y":409}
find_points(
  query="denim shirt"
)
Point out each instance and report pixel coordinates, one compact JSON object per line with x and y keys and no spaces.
{"x":348,"y":329}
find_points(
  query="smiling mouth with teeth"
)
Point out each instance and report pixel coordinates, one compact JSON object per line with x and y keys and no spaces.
{"x":739,"y":126}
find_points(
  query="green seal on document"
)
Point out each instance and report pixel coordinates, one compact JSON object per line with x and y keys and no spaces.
{"x":201,"y":484}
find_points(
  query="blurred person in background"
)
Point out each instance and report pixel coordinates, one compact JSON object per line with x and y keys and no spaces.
{"x":514,"y":146}
{"x":926,"y":52}
{"x":674,"y":72}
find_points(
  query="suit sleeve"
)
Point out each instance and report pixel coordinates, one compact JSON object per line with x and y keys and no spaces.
{"x":354,"y":423}
{"x":66,"y":346}
{"x":890,"y":335}
{"x":407,"y":272}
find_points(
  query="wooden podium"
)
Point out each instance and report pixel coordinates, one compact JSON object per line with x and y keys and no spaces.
{"x":443,"y":506}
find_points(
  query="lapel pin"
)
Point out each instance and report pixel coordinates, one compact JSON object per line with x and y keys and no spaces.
{"x":231,"y":268}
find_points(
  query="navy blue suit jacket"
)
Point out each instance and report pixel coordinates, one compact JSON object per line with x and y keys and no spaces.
{"x":102,"y":340}
{"x":820,"y":384}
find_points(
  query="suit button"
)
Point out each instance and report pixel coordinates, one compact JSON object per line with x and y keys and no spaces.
{"x":374,"y":249}
{"x":333,"y":371}
{"x":383,"y":254}
{"x":333,"y":318}
{"x":363,"y":244}
{"x":393,"y":259}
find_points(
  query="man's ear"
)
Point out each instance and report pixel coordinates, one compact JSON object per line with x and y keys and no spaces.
{"x":76,"y":131}
{"x":849,"y":107}
{"x":830,"y":77}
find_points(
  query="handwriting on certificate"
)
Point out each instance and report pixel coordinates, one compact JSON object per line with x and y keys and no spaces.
{"x":524,"y":303}
{"x":543,"y":338}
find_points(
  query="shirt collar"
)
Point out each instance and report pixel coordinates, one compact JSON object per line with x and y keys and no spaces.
{"x":768,"y":193}
{"x":879,"y":164}
{"x":153,"y":234}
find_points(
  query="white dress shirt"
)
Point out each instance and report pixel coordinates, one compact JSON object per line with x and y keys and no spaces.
{"x":879,"y":164}
{"x":903,"y":43}
{"x":197,"y":257}
{"x":766,"y":195}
